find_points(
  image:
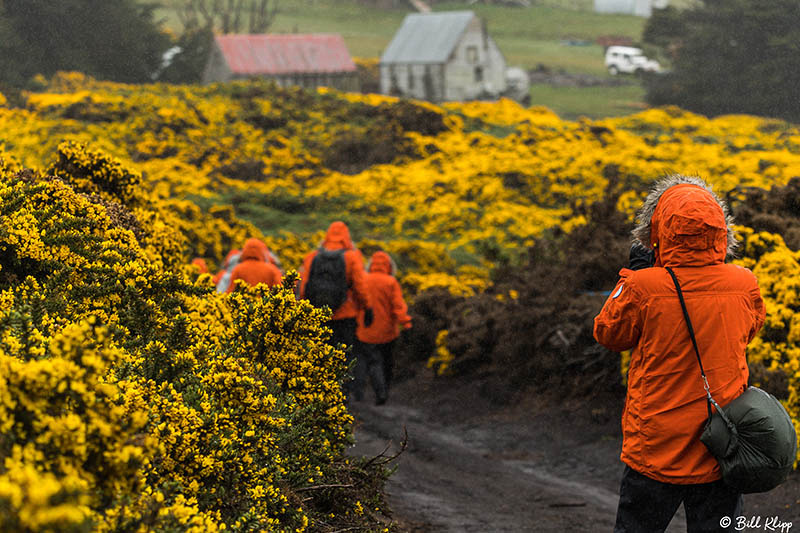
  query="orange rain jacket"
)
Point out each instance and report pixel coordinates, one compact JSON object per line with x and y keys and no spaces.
{"x":253,"y":267}
{"x":338,"y":238}
{"x":201,"y":265}
{"x":389,"y":308}
{"x":665,"y":409}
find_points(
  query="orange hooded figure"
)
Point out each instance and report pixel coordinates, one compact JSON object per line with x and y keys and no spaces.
{"x":388,"y":307}
{"x":338,"y":238}
{"x":253,"y":267}
{"x":200,"y":263}
{"x":688,"y":229}
{"x":375,"y":346}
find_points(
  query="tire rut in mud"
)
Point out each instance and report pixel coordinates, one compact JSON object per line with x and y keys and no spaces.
{"x":481,"y":475}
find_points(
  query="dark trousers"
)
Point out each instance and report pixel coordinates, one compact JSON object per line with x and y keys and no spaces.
{"x":387,"y":353}
{"x":369,"y":364}
{"x":647,"y":505}
{"x":344,"y":332}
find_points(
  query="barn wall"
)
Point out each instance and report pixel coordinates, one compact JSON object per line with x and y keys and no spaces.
{"x":343,"y":81}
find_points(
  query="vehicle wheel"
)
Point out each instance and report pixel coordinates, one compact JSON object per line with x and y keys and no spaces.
{"x":613,"y":70}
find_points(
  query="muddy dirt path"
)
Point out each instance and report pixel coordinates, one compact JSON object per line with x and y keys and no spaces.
{"x":544,"y":465}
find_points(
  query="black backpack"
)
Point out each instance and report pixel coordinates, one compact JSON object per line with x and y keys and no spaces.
{"x":327,"y":279}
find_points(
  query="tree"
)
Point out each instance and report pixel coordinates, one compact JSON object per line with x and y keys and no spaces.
{"x":730,"y":56}
{"x":226,"y":16}
{"x":193,"y":49}
{"x":108,"y":39}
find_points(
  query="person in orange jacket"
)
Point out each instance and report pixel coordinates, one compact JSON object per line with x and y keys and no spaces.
{"x":685,"y":226}
{"x":201,"y":265}
{"x":253,"y":267}
{"x":333,"y":275}
{"x":375,"y":343}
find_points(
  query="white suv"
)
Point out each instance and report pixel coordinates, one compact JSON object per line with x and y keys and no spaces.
{"x":629,"y":60}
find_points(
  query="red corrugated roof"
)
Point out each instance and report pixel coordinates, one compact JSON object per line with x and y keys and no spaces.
{"x":285,"y":54}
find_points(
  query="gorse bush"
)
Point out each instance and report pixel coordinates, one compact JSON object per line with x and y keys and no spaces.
{"x":135,"y":398}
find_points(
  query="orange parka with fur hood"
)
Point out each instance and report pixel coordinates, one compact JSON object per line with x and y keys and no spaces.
{"x":388,"y":306}
{"x":338,"y":238}
{"x":689,"y":230}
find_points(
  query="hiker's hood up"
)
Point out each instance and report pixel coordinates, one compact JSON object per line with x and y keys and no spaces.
{"x":254,"y":250}
{"x":338,"y":237}
{"x":381,"y":262}
{"x":685,"y":223}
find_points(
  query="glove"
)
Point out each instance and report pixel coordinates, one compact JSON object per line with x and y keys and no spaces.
{"x":640,"y":256}
{"x":368,"y":317}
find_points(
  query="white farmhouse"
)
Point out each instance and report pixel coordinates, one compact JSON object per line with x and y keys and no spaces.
{"x":443,"y":56}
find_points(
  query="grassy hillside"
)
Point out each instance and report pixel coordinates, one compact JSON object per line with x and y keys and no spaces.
{"x":527,"y":36}
{"x":544,"y":34}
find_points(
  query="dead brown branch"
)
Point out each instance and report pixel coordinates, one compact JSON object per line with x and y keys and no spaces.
{"x":382,"y":458}
{"x":321,"y":487}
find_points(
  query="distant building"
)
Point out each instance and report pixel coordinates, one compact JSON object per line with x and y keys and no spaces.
{"x":641,"y":8}
{"x":443,"y":56}
{"x":310,"y":61}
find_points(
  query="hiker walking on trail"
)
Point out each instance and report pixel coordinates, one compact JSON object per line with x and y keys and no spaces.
{"x":333,"y":276}
{"x":375,"y":342}
{"x":681,"y":225}
{"x":254,"y":266}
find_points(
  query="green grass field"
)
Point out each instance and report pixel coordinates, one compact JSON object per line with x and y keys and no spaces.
{"x":528,"y":37}
{"x":593,"y":102}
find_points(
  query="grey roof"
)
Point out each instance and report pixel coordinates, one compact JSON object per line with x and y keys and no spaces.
{"x":427,"y":37}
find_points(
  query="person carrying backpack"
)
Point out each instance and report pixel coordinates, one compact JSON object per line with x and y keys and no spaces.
{"x":254,"y":266}
{"x":333,"y":276}
{"x":375,"y":342}
{"x":683,"y":226}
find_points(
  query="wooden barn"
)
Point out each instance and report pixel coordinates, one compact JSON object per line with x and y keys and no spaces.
{"x":443,"y":56}
{"x":311,"y":60}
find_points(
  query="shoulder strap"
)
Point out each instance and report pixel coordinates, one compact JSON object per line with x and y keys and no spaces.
{"x":709,"y":400}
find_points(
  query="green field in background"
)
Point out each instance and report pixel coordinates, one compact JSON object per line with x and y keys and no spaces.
{"x":593,"y":102}
{"x":560,"y":35}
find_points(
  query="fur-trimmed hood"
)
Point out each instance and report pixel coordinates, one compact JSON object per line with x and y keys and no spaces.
{"x":685,"y":223}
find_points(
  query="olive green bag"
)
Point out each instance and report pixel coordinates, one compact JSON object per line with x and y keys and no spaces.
{"x":752,"y":437}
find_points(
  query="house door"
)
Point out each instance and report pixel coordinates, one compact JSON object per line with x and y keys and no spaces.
{"x":427,"y":82}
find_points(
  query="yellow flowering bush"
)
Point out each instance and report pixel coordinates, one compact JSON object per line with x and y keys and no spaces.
{"x":774,"y":355}
{"x":134,"y":398}
{"x":443,"y":357}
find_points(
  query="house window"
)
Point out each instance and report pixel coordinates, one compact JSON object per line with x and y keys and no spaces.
{"x":478,"y":74}
{"x":410,"y":78}
{"x":472,"y":54}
